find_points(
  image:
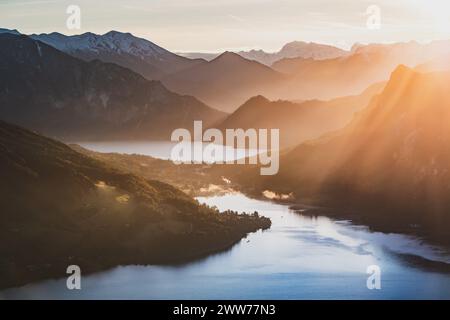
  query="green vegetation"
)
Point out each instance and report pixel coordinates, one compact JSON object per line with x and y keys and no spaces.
{"x":60,"y":207}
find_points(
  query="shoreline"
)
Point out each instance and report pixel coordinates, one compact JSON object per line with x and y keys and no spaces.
{"x":56,"y":271}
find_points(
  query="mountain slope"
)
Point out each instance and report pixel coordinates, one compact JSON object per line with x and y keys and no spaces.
{"x":392,"y":162}
{"x":60,"y":207}
{"x":47,"y":90}
{"x":124,"y":49}
{"x":225,"y":82}
{"x":298,"y":122}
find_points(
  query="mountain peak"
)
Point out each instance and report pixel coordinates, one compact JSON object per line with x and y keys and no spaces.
{"x":294,"y":44}
{"x":313,"y":50}
{"x":114,"y":33}
{"x":401,"y":69}
{"x":259,"y":99}
{"x":12,"y":31}
{"x":229,"y":55}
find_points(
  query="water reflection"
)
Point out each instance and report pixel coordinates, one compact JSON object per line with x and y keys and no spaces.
{"x":162,"y":150}
{"x":300,"y":257}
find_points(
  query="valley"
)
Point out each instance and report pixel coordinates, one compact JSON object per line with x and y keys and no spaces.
{"x":325,"y":161}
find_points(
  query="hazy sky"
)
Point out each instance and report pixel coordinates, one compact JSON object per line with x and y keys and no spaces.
{"x":216,"y":25}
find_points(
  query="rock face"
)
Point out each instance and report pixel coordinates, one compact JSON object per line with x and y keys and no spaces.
{"x":45,"y":89}
{"x":60,"y":207}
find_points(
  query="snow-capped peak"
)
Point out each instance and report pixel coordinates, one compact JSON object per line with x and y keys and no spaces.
{"x":110,"y":42}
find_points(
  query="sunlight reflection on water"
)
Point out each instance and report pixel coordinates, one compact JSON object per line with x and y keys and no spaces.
{"x":299,"y":257}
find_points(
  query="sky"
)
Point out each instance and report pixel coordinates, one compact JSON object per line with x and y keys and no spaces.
{"x":218,"y":25}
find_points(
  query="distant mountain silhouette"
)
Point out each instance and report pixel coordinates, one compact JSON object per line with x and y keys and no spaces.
{"x":230,"y":84}
{"x":298,"y":121}
{"x":60,"y":207}
{"x":225,"y":82}
{"x":47,"y":90}
{"x":350,"y":74}
{"x":199,"y":55}
{"x":11,"y":31}
{"x":295,"y":49}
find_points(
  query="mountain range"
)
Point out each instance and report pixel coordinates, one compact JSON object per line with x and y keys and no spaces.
{"x":295,"y":49}
{"x":59,"y":95}
{"x":350,"y":74}
{"x":299,"y":71}
{"x":302,"y":121}
{"x":137,"y":54}
{"x":225,"y":82}
{"x":301,"y":78}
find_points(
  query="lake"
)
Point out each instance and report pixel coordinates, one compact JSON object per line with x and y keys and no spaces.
{"x":299,"y":257}
{"x":163,"y":150}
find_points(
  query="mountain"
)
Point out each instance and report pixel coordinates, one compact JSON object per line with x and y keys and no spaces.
{"x":47,"y":90}
{"x":124,"y":49}
{"x":439,"y":64}
{"x":316,"y":74}
{"x":225,"y":82}
{"x":295,"y":49}
{"x":199,"y":55}
{"x":60,"y":208}
{"x":11,"y":31}
{"x":350,"y":74}
{"x":391,"y":163}
{"x":298,"y":122}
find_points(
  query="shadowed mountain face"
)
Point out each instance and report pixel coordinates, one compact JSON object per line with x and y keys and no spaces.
{"x":394,"y":157}
{"x":47,"y":90}
{"x":225,"y":82}
{"x":137,"y":54}
{"x":298,"y":122}
{"x":60,"y":207}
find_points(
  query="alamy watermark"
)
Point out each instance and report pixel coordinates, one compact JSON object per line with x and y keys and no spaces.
{"x":73,"y":281}
{"x":374,"y":280}
{"x":211,"y":147}
{"x":73,"y":22}
{"x":374,"y":17}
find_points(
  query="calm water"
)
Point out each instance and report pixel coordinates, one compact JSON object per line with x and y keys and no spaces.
{"x":298,"y":258}
{"x":162,"y":150}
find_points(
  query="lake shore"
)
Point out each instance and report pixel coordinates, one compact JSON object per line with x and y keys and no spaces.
{"x":180,"y":250}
